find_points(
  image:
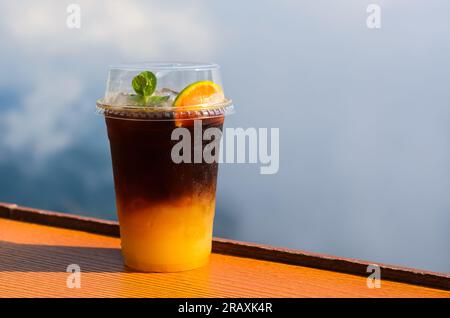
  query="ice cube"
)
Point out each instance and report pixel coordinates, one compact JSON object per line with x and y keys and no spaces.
{"x":127,"y":99}
{"x":123,"y":99}
{"x":166,"y":92}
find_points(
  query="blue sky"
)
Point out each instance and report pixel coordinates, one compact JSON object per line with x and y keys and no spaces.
{"x":363,"y":114}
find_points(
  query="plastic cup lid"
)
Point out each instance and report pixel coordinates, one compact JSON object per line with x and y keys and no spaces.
{"x":164,"y":91}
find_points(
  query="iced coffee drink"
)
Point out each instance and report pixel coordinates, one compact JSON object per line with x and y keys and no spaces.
{"x":165,"y":206}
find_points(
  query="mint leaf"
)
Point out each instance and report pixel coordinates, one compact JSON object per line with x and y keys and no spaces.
{"x":144,"y":84}
{"x":139,"y":84}
{"x":152,"y":82}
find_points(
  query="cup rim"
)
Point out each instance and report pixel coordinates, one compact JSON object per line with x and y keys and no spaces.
{"x":165,"y":66}
{"x":152,"y":113}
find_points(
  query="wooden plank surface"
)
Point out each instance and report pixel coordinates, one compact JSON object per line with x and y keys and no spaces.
{"x":243,"y":249}
{"x":33,"y":261}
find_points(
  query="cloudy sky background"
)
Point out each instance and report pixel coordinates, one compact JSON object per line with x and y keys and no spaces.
{"x":363,"y":115}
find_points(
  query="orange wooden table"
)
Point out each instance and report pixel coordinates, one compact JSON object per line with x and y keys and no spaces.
{"x":37,"y":246}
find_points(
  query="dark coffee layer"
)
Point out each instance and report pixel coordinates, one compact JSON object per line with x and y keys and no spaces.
{"x":143,"y":168}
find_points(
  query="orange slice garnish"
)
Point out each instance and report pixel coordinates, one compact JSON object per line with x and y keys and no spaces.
{"x":200,"y":93}
{"x":197,"y":94}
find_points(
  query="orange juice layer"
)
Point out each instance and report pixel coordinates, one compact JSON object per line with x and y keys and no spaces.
{"x":166,"y":236}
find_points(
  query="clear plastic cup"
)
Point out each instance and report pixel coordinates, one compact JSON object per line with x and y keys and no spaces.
{"x":165,"y":207}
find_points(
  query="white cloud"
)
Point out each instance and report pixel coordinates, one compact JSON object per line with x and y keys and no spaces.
{"x":144,"y":29}
{"x":41,"y":53}
{"x":46,"y":119}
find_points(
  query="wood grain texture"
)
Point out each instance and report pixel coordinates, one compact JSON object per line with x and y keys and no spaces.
{"x":33,"y":260}
{"x":333,"y":263}
{"x":58,"y":219}
{"x":243,"y":249}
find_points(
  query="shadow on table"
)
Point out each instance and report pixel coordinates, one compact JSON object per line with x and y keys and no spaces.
{"x":16,"y":257}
